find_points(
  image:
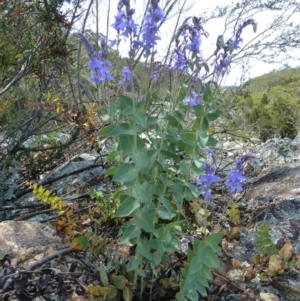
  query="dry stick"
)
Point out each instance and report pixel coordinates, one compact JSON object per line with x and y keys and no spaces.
{"x":31,"y":214}
{"x":48,"y":258}
{"x":228,"y":282}
{"x":54,"y":179}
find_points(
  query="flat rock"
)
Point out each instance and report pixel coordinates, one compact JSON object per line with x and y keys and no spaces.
{"x":26,"y":242}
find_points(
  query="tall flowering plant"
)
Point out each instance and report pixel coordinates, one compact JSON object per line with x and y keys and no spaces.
{"x":157,"y":157}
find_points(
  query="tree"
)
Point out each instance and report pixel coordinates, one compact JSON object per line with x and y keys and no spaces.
{"x":273,"y":42}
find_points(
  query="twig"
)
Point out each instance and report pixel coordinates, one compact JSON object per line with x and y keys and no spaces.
{"x":20,"y":193}
{"x":228,"y":282}
{"x":50,"y":257}
{"x":31,"y":214}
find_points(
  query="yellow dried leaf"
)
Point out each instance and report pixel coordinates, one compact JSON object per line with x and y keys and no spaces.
{"x":75,"y":245}
{"x":275,"y":265}
{"x":287,"y":250}
{"x":236,"y":264}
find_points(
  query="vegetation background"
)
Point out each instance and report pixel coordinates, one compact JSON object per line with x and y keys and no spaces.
{"x":50,"y":110}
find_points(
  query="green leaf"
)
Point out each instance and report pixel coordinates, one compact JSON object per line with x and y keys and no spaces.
{"x":213,"y":240}
{"x":143,"y":249}
{"x":107,"y":130}
{"x":172,"y":120}
{"x":141,"y":273}
{"x":201,"y":288}
{"x":203,"y":138}
{"x":217,"y":101}
{"x":179,"y":115}
{"x":140,"y":119}
{"x":195,"y":266}
{"x":119,"y":281}
{"x":132,"y":231}
{"x":170,"y":138}
{"x":112,"y":155}
{"x":157,"y":258}
{"x":126,"y":105}
{"x":178,"y":200}
{"x":140,"y":158}
{"x":184,"y":168}
{"x":125,"y":173}
{"x":122,"y":128}
{"x":164,"y":213}
{"x":213,"y":260}
{"x":193,"y":189}
{"x":213,"y":115}
{"x":169,"y":155}
{"x":208,"y":95}
{"x":203,"y":251}
{"x":188,"y":138}
{"x":111,"y":171}
{"x":112,"y":108}
{"x":113,"y":293}
{"x":126,"y":294}
{"x":103,"y":276}
{"x":189,"y":150}
{"x":133,"y":263}
{"x":206,"y":272}
{"x":143,"y":193}
{"x":146,"y":221}
{"x":212,"y":142}
{"x":152,"y":154}
{"x":126,"y":144}
{"x":84,"y":242}
{"x":198,"y":111}
{"x":139,"y":106}
{"x":129,"y":205}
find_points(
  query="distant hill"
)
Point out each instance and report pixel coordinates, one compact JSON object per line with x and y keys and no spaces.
{"x":279,"y":83}
{"x":268,"y":104}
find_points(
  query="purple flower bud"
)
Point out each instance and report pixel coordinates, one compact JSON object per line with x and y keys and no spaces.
{"x":88,"y":45}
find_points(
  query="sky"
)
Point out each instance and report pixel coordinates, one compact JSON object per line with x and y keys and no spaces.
{"x":214,"y":27}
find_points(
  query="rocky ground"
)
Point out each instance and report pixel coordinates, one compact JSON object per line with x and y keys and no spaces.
{"x":34,"y":252}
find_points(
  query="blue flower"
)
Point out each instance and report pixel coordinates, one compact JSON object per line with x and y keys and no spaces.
{"x":126,"y":75}
{"x":235,"y":177}
{"x":150,"y":25}
{"x":194,"y":46}
{"x":180,"y":60}
{"x":124,"y":23}
{"x":100,"y":70}
{"x":98,"y":64}
{"x":192,"y":99}
{"x":207,"y":180}
{"x":234,"y":180}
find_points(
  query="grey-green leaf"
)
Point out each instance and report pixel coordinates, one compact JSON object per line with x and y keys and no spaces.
{"x":125,"y":173}
{"x":129,"y":205}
